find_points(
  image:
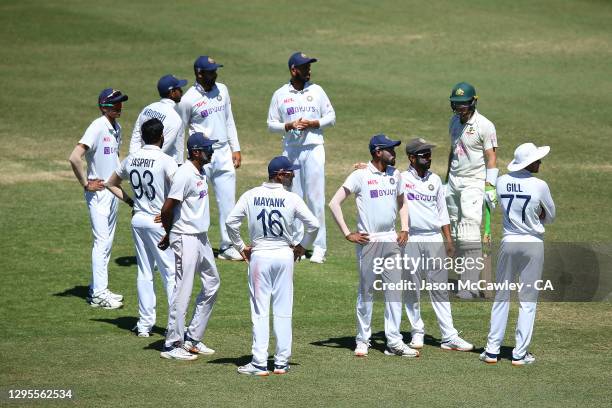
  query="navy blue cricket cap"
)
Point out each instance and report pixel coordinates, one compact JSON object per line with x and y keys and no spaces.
{"x":197,"y":141}
{"x":109,"y":96}
{"x":280,"y":163}
{"x":382,"y":142}
{"x":206,"y":63}
{"x":299,"y":58}
{"x":168,"y":83}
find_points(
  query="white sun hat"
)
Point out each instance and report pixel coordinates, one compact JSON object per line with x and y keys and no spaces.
{"x":526,"y":154}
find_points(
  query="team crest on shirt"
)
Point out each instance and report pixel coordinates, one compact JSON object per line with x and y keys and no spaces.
{"x":219,"y":98}
{"x":430,"y":187}
{"x":392,"y":181}
{"x":309,"y":98}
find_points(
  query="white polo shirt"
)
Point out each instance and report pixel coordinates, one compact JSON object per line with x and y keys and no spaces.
{"x":210,"y":113}
{"x":289,"y":104}
{"x":522,"y":198}
{"x":150,"y":173}
{"x":103,"y":141}
{"x":468,"y":142}
{"x":426,"y":202}
{"x":174,"y":135}
{"x":189,"y":187}
{"x":271,"y":211}
{"x":376,"y":195}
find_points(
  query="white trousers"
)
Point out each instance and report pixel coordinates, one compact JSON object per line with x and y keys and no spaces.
{"x":524,"y":260}
{"x":365,"y":293}
{"x":103,"y":208}
{"x":271,"y":279}
{"x":146,"y":235}
{"x":464,"y":199}
{"x":309,"y":183}
{"x":193,"y":254}
{"x":429,"y":247}
{"x":222,"y":175}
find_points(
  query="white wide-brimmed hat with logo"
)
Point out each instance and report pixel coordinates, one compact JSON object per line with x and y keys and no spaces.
{"x":526,"y":154}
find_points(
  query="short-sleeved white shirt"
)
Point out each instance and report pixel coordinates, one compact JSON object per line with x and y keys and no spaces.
{"x":522,"y":198}
{"x":210,"y":113}
{"x":289,"y":104}
{"x":468,"y":143}
{"x":150,"y":173}
{"x":174,"y":134}
{"x":191,"y":215}
{"x":426,"y":202}
{"x":271,"y":211}
{"x":376,"y":195}
{"x":103,"y":141}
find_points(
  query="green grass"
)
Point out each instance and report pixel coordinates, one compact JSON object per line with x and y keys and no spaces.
{"x":542,"y":70}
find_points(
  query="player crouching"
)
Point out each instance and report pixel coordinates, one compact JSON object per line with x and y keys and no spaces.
{"x":271,"y":211}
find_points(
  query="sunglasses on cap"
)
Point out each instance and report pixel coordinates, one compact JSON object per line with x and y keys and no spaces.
{"x":425,"y":155}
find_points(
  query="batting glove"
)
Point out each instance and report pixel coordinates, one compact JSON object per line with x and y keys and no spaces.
{"x":490,"y":196}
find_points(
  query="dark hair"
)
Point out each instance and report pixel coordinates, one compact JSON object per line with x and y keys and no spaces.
{"x":152,"y":131}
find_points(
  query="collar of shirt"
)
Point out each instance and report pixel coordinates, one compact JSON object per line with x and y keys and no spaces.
{"x":389,"y":171}
{"x":194,"y":169}
{"x":272,"y":185}
{"x":110,"y":126}
{"x":201,"y":89}
{"x":472,"y":120}
{"x":167,"y":101}
{"x":413,"y":171}
{"x":151,"y":147}
{"x":293,"y":90}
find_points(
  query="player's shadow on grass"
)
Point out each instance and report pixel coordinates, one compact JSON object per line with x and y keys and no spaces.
{"x":242,"y":360}
{"x":128,"y":323}
{"x":78,"y":291}
{"x":126,"y":261}
{"x":377,"y":342}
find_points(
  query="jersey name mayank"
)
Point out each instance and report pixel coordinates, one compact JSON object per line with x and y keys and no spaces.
{"x":268,"y":202}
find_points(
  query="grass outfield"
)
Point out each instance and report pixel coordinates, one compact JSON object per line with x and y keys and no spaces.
{"x":542,"y":71}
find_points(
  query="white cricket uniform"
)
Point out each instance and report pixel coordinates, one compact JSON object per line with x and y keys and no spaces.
{"x":305,"y":147}
{"x":102,"y":157}
{"x":376,"y":195}
{"x":150,"y":173}
{"x":271,"y":211}
{"x":193,"y":254}
{"x":174,"y":133}
{"x":427,"y":215}
{"x":211,"y":114}
{"x":521,"y":254}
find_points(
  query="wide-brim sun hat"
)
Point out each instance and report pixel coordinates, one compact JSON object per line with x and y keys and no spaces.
{"x":526,"y":154}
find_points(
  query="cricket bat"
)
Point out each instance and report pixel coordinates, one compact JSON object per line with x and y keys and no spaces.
{"x":487,"y":272}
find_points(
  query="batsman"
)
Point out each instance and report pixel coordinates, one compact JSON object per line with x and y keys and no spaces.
{"x":471,"y":177}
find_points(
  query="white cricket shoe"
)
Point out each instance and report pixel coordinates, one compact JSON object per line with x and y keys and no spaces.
{"x":281,"y":369}
{"x":417,"y":341}
{"x":105,"y":301}
{"x":141,"y":332}
{"x":230,"y":254}
{"x":178,"y":353}
{"x":527,"y":359}
{"x":252,"y":369}
{"x":115,"y":296}
{"x":197,"y":347}
{"x":458,"y":344}
{"x":401,"y":349}
{"x":488,"y":357}
{"x":361,"y":350}
{"x":318,"y":255}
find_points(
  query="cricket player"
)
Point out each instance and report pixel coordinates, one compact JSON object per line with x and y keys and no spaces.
{"x":206,"y":108}
{"x":271,"y":210}
{"x":379,"y":194}
{"x":185,"y":217}
{"x":471,"y":176}
{"x":100,"y":147}
{"x":150,"y":173}
{"x":430,"y":239}
{"x":527,"y":205}
{"x":300,"y":110}
{"x":170,"y":91}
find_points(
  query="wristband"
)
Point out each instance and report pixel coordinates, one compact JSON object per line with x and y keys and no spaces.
{"x":491,"y":177}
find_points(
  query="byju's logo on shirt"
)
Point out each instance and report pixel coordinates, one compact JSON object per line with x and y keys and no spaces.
{"x":300,"y":109}
{"x":420,"y":197}
{"x":203,"y":193}
{"x":110,"y":150}
{"x":382,"y":193}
